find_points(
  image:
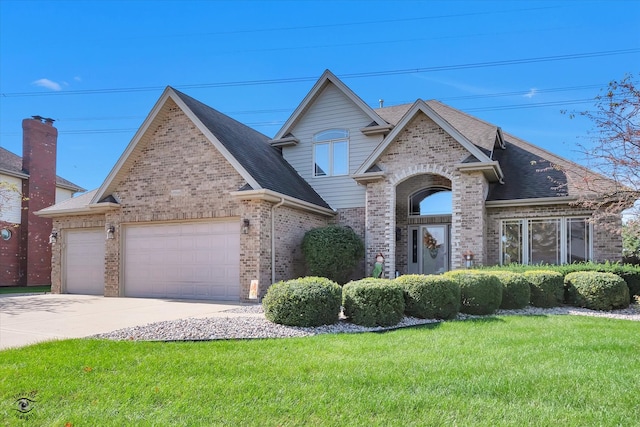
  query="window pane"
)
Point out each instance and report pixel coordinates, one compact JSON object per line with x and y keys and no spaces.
{"x":321,"y":159}
{"x":340,"y":158}
{"x":544,"y":241}
{"x":578,"y":240}
{"x":437,"y":204}
{"x":512,"y":242}
{"x":328,"y":135}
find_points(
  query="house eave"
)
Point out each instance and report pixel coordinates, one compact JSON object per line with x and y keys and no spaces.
{"x":84,"y":210}
{"x":14,"y":173}
{"x":364,"y":178}
{"x":376,"y":130}
{"x":539,"y":201}
{"x":285,"y":142}
{"x":491,"y":170}
{"x":275,"y":197}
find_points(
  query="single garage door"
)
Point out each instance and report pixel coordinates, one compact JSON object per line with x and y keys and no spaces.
{"x":84,"y":261}
{"x":196,"y":260}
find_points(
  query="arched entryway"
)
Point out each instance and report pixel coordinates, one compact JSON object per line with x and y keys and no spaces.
{"x":423,"y":225}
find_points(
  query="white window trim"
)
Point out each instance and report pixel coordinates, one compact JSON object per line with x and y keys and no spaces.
{"x":564,"y":244}
{"x":329,"y":142}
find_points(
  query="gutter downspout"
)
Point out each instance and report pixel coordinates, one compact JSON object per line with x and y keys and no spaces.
{"x":273,"y":239}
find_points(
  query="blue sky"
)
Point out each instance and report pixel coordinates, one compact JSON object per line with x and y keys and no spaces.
{"x":98,"y":67}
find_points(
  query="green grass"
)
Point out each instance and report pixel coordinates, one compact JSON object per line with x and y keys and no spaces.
{"x":24,"y":289}
{"x":516,"y":371}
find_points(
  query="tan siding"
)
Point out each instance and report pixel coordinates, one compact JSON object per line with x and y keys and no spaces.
{"x":333,"y":110}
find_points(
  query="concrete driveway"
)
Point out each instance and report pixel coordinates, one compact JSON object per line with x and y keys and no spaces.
{"x":28,"y":319}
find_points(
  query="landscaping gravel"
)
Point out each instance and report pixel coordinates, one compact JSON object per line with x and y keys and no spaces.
{"x":254,"y":325}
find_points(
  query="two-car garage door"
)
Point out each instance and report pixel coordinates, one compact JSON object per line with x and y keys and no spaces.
{"x":183,"y":260}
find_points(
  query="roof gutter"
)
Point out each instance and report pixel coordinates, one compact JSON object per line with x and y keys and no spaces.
{"x":541,"y":201}
{"x":492,"y":169}
{"x":275,"y":197}
{"x":84,"y":210}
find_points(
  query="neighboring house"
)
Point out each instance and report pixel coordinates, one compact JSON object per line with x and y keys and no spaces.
{"x":200,"y":206}
{"x":29,"y":184}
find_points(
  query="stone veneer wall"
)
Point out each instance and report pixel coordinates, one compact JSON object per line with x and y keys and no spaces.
{"x":607,"y":246}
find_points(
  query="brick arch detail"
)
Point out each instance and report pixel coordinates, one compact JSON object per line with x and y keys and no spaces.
{"x":412,"y":171}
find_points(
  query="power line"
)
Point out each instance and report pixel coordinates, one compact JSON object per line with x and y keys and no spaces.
{"x":344,"y":76}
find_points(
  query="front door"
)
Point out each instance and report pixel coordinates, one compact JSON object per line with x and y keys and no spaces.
{"x":435,"y":249}
{"x":429,"y":249}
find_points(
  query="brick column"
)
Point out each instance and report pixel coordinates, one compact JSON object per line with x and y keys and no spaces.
{"x":39,"y":161}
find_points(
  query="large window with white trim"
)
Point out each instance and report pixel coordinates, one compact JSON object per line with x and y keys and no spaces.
{"x":331,"y":153}
{"x":545,"y":241}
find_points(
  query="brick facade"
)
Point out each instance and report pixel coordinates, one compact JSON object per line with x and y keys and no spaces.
{"x":421,"y":154}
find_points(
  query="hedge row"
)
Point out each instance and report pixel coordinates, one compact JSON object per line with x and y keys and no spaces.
{"x":629,"y":273}
{"x":315,"y":301}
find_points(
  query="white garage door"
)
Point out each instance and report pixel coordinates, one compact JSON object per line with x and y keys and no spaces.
{"x":198,"y":260}
{"x":84,"y":262}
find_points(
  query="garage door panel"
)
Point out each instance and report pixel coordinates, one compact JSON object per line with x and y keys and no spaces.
{"x":188,"y":260}
{"x":84,"y":261}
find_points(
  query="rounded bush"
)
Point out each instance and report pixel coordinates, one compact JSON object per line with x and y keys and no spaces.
{"x":308,"y":301}
{"x":547,"y":287}
{"x":596,"y":291}
{"x":516,"y":292}
{"x":430,"y":297}
{"x":332,"y":252}
{"x":373,"y":302}
{"x":480,"y":293}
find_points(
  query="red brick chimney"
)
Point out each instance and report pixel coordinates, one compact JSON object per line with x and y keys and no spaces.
{"x":39,"y":141}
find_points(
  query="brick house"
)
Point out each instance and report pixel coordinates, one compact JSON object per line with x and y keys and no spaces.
{"x":29,"y":184}
{"x":199,"y":205}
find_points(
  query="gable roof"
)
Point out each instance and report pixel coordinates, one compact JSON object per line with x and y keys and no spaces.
{"x":520,"y":161}
{"x":11,"y":164}
{"x":479,"y":132}
{"x":327,"y":78}
{"x":246,"y":149}
{"x":480,"y":154}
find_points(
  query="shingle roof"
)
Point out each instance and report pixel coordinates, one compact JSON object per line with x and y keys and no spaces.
{"x":253,"y":151}
{"x":481,"y":133}
{"x":526,"y":175}
{"x":12,"y":163}
{"x":527,"y":169}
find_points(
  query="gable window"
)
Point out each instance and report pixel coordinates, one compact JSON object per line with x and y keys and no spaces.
{"x":545,"y":241}
{"x":431,"y":201}
{"x":331,"y":153}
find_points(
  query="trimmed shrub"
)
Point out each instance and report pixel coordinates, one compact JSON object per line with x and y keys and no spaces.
{"x":547,"y":287}
{"x":332,"y":252}
{"x":308,"y":301}
{"x":596,"y":291}
{"x":516,"y":292}
{"x":480,"y":293}
{"x":430,"y":297}
{"x":373,"y":302}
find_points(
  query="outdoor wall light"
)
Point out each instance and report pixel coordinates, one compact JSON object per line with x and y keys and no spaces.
{"x":468,"y":259}
{"x":110,"y":232}
{"x":53,"y":237}
{"x":245,"y":226}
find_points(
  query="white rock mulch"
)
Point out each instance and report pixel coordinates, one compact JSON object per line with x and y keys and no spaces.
{"x":254,"y":325}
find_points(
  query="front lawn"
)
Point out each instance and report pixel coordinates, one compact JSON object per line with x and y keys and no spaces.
{"x":24,"y":289}
{"x":537,"y":370}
